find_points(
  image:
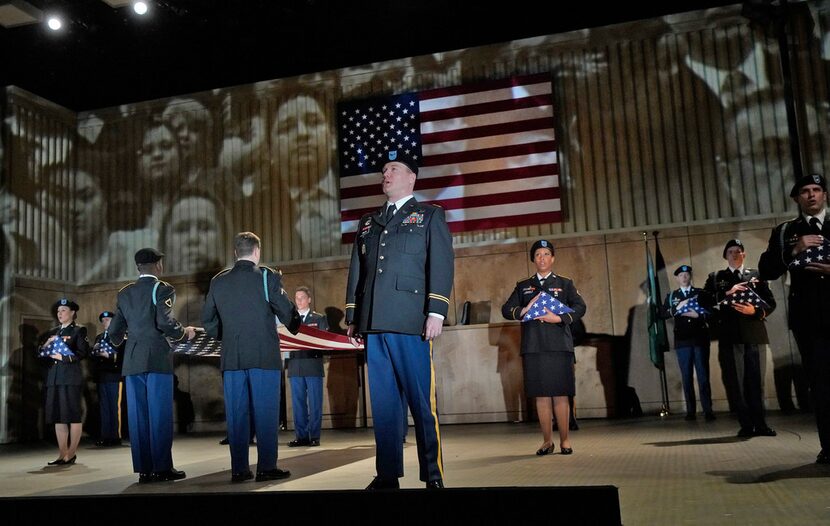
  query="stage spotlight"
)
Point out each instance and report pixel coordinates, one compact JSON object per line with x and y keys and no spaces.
{"x":54,"y":22}
{"x":140,"y":8}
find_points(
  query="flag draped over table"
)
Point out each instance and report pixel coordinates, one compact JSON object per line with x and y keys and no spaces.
{"x":658,"y":339}
{"x":487,"y":152}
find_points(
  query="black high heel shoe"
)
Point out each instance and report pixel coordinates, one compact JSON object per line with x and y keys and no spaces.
{"x":56,"y":462}
{"x":545,"y":450}
{"x":70,"y":461}
{"x":567,"y":451}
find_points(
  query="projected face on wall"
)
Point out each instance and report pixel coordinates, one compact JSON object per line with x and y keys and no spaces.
{"x":192,"y":235}
{"x":89,"y":211}
{"x":159,"y":156}
{"x":300,"y":128}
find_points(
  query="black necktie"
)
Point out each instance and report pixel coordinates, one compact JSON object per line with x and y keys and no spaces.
{"x":815,"y":226}
{"x":737,"y":273}
{"x":390,"y":211}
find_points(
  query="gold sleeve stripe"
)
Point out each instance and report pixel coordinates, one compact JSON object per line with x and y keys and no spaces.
{"x":439,"y":297}
{"x":351,"y":305}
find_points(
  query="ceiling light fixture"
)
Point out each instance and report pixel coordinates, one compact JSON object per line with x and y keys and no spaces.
{"x":54,"y":22}
{"x":140,"y":8}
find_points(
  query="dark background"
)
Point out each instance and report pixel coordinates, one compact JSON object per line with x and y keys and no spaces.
{"x":105,"y":56}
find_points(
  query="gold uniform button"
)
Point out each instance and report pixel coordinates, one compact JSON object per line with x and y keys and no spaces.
{"x":380,"y":271}
{"x":385,"y":231}
{"x":382,"y":257}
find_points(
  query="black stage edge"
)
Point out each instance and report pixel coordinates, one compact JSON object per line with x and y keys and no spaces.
{"x":514,"y":505}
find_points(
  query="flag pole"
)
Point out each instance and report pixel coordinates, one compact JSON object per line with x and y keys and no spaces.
{"x":655,"y":350}
{"x":664,"y":384}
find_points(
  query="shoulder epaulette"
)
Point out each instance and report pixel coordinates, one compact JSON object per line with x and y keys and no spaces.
{"x":275,"y":271}
{"x":223,"y":271}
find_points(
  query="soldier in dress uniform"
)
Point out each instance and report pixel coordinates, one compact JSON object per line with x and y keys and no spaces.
{"x":305,"y":372}
{"x":64,"y":379}
{"x":239,"y":310}
{"x":809,"y":299}
{"x":742,"y":333}
{"x":691,"y":341}
{"x":107,"y":367}
{"x":547,"y":344}
{"x":400,"y":278}
{"x":145,"y":309}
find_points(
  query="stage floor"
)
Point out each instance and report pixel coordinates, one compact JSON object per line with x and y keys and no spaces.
{"x":668,"y":471}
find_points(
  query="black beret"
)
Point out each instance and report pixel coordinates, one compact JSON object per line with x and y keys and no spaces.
{"x":399,"y":156}
{"x":147,"y":255}
{"x":808,"y":180}
{"x":106,"y":314}
{"x":542,"y":243}
{"x":683,"y":268}
{"x":63,"y":302}
{"x":733,"y":243}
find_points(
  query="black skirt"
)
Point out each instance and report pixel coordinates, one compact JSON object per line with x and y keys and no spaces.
{"x":63,"y":404}
{"x":549,"y":374}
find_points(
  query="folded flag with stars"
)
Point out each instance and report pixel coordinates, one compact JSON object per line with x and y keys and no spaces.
{"x":748,"y":296}
{"x":105,"y":347}
{"x":545,"y":302}
{"x":819,"y":254}
{"x":56,"y":346}
{"x":692,"y":305}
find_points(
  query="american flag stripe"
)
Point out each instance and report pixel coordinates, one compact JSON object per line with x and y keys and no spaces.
{"x":488,"y":153}
{"x":313,"y":339}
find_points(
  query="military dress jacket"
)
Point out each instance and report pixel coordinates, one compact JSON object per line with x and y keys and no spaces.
{"x":308,"y":363}
{"x":108,"y":370}
{"x":146,"y":311}
{"x":809,"y":296}
{"x":67,"y":371}
{"x":689,"y":331}
{"x":238,"y":312}
{"x":400,"y":271}
{"x":538,"y":336}
{"x":733,"y":327}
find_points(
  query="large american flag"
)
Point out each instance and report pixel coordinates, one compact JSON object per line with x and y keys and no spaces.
{"x":487,"y":152}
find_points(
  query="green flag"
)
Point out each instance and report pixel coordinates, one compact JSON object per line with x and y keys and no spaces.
{"x":658,"y":339}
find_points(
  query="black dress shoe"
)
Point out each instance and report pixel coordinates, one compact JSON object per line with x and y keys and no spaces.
{"x":101,"y":443}
{"x":746,"y":432}
{"x":272,"y":474}
{"x":70,"y":461}
{"x":567,"y":451}
{"x":435,"y":484}
{"x":573,"y":426}
{"x":690,"y":417}
{"x":765,"y":432}
{"x":313,"y":443}
{"x":299,"y":442}
{"x":145,"y":478}
{"x":379,"y":483}
{"x":224,"y":442}
{"x":710,"y":417}
{"x":242,"y":477}
{"x":823,"y":457}
{"x":56,"y":462}
{"x":545,"y":450}
{"x":170,"y":474}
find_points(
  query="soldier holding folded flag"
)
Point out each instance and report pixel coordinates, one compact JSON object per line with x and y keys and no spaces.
{"x":742,"y":335}
{"x":547,"y":343}
{"x":107,"y":360}
{"x":691,"y":339}
{"x":800,"y":246}
{"x":62,"y":348}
